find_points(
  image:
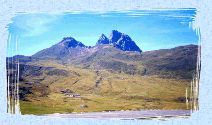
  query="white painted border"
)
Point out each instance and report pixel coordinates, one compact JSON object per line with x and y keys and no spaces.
{"x":8,"y":9}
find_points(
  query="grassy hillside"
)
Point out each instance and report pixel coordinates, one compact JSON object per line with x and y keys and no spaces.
{"x":99,"y":91}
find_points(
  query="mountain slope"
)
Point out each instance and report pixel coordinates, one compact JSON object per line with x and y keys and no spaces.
{"x":178,"y":62}
{"x":66,"y":48}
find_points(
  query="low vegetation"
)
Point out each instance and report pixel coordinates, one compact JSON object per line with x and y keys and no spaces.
{"x":115,"y":91}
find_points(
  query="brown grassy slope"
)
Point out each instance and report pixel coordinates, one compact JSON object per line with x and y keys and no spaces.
{"x":115,"y":91}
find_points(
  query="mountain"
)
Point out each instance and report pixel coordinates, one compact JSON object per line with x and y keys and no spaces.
{"x":120,"y":41}
{"x":123,"y":41}
{"x":66,"y":48}
{"x":71,"y":49}
{"x":71,"y":43}
{"x":178,"y":62}
{"x":19,"y":58}
{"x":102,"y":40}
{"x":113,"y":71}
{"x":112,"y":55}
{"x":120,"y":54}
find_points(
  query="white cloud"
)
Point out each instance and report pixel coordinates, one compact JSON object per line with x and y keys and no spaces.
{"x":34,"y":24}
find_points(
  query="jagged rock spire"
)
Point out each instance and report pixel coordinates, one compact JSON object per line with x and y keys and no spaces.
{"x":103,"y":40}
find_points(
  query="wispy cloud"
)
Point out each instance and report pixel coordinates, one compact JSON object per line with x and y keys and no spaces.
{"x":34,"y":24}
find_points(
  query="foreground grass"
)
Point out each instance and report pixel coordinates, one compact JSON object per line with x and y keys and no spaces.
{"x":94,"y":103}
{"x":40,"y":109}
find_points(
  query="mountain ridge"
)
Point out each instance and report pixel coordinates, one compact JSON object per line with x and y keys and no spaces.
{"x":177,"y":62}
{"x":69,"y":45}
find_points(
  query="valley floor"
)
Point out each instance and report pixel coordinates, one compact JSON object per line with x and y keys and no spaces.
{"x":86,"y":90}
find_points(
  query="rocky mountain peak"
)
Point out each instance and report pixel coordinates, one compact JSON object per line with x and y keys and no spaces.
{"x":103,"y":40}
{"x":71,"y":43}
{"x":115,"y":36}
{"x":123,"y":41}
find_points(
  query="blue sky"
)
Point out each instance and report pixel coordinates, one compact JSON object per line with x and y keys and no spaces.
{"x":150,"y":29}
